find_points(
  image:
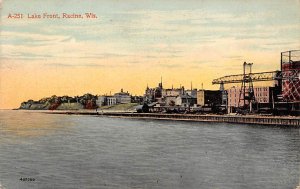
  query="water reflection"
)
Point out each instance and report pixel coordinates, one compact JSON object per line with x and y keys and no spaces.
{"x":101,"y":152}
{"x":31,"y":124}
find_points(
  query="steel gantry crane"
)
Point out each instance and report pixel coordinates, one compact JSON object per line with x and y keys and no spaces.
{"x":288,"y":91}
{"x":246,"y":94}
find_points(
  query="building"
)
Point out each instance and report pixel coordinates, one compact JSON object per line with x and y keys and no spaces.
{"x":290,"y":67}
{"x":209,"y":97}
{"x":192,"y":92}
{"x":233,"y":95}
{"x":101,"y":100}
{"x":262,"y":95}
{"x":172,"y":92}
{"x":170,"y":100}
{"x":106,"y":100}
{"x":153,"y":94}
{"x":185,"y":100}
{"x":123,"y":97}
{"x":137,"y":99}
{"x":111,"y":100}
{"x":118,"y":98}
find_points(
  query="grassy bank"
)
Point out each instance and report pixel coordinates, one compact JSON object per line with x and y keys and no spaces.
{"x":119,"y":107}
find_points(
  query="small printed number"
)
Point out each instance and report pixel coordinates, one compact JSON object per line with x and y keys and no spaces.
{"x":27,"y":179}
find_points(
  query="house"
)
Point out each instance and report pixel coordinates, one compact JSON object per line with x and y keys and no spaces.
{"x":118,"y":98}
{"x":111,"y":100}
{"x":105,"y":100}
{"x":123,"y":97}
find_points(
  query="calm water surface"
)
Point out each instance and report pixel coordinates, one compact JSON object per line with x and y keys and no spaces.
{"x":68,"y":151}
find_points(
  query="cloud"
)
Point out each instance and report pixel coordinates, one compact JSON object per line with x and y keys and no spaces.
{"x":171,"y":66}
{"x":32,"y":36}
{"x":32,"y":45}
{"x":75,"y":65}
{"x":146,"y":36}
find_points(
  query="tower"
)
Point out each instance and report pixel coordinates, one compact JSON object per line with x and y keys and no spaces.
{"x":160,"y":85}
{"x":247,"y":91}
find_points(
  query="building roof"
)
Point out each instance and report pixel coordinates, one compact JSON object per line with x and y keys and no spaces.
{"x":185,"y":96}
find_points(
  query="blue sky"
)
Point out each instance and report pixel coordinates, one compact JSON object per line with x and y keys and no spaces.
{"x":133,"y":26}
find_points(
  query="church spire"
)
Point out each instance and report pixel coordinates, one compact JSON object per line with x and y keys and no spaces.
{"x":161,"y":81}
{"x":160,"y":84}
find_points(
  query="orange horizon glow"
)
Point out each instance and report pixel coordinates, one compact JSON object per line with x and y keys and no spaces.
{"x":131,"y":45}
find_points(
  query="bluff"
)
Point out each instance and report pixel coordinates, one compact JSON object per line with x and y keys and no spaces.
{"x":87,"y":101}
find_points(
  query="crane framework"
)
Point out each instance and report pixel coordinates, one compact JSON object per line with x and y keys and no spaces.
{"x":288,"y":78}
{"x":246,"y":95}
{"x":239,"y":78}
{"x":291,"y":75}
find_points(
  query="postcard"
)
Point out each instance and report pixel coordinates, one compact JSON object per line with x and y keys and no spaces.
{"x":149,"y":94}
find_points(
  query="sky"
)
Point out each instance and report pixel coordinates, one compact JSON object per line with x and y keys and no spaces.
{"x":133,"y":43}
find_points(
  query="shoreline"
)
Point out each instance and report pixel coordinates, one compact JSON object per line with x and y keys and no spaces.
{"x":212,"y":118}
{"x":240,"y":119}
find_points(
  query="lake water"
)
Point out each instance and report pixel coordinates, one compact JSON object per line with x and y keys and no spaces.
{"x":71,"y":151}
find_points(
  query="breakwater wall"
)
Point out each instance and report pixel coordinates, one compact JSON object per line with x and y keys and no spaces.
{"x":264,"y":120}
{"x":242,"y":119}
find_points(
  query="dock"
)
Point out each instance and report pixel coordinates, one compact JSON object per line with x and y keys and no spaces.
{"x":240,"y":119}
